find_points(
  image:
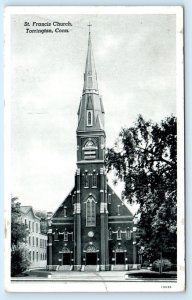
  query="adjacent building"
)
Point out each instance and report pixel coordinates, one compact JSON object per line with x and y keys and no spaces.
{"x":92,"y":227}
{"x":36,"y":242}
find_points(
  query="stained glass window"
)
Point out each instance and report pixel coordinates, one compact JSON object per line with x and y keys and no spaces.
{"x":110,"y":233}
{"x":86,"y":180}
{"x":94,"y":179}
{"x":119,"y":234}
{"x":90,"y":212}
{"x":128,"y":234}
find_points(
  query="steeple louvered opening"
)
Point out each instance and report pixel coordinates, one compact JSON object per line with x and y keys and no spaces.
{"x":90,"y":150}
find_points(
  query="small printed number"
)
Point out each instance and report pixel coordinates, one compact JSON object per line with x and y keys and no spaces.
{"x":166,"y":286}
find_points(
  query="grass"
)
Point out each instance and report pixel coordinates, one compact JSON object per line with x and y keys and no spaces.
{"x":37,"y":273}
{"x":152,"y":274}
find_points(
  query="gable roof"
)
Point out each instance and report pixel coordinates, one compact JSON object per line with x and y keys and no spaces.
{"x":26,"y":209}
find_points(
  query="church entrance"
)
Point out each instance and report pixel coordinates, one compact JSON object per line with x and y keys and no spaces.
{"x":120,"y":258}
{"x":91,"y":258}
{"x":66,"y":259}
{"x":91,"y":255}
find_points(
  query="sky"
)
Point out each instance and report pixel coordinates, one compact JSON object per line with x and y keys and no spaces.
{"x":135,"y":58}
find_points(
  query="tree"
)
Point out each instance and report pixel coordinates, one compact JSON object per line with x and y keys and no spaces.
{"x":145,"y":158}
{"x":19,"y":233}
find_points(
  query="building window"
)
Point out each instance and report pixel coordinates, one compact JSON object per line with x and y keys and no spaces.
{"x":65,"y":236}
{"x":25,"y":222}
{"x":33,"y":255}
{"x":86,"y":180}
{"x":89,"y":118}
{"x":29,"y":241}
{"x":29,"y":225}
{"x":45,"y":256}
{"x":94,"y":179}
{"x":56,"y":236}
{"x":37,"y":256}
{"x":110,"y":234}
{"x":33,"y":226}
{"x":119,"y":234}
{"x":128,"y":234}
{"x":37,"y":227}
{"x":37,"y":242}
{"x":33,"y":241}
{"x":109,"y":199}
{"x":29,"y":255}
{"x":65,"y":211}
{"x":118,"y":210}
{"x":90,"y":212}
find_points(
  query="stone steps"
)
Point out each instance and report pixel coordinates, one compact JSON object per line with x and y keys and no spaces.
{"x":118,"y":267}
{"x":91,"y":268}
{"x":65,"y":268}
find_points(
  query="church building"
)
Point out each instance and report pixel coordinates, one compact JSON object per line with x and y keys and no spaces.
{"x":92,"y":228}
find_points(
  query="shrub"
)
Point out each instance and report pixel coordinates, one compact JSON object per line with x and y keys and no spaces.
{"x":19,"y":261}
{"x":166,"y":265}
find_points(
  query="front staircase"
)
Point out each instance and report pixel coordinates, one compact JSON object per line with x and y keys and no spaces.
{"x":91,"y":268}
{"x":118,"y":268}
{"x":65,"y":268}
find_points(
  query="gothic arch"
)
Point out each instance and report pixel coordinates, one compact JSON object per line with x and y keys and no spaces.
{"x":65,"y":250}
{"x":90,"y":248}
{"x":90,"y":143}
{"x":119,"y":248}
{"x":90,"y":211}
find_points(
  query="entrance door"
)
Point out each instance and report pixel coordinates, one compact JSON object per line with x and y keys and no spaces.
{"x":91,"y":258}
{"x":120,"y":258}
{"x":66,"y":259}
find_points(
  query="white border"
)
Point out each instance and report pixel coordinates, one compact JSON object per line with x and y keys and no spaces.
{"x":97,"y":286}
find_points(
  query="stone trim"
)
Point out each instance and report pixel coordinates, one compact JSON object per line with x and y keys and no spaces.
{"x":119,"y":222}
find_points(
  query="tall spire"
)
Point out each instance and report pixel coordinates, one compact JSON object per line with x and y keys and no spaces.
{"x":91,"y":111}
{"x":90,"y":75}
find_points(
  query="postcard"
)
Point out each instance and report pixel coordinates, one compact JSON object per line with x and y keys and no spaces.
{"x":94,"y":149}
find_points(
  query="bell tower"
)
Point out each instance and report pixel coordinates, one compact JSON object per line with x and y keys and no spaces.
{"x":90,"y":207}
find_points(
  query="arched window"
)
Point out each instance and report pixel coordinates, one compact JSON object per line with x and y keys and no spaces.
{"x":65,"y":235}
{"x":65,"y":211}
{"x":86,"y":180}
{"x":56,"y":236}
{"x":94,"y":179}
{"x":119,"y":234}
{"x":89,"y":118}
{"x":110,"y":234}
{"x":90,"y":212}
{"x":128,"y":234}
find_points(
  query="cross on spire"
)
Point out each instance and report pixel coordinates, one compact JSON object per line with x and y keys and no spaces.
{"x":89,"y":27}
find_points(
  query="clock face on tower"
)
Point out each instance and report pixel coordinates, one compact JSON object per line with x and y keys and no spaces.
{"x":90,"y":233}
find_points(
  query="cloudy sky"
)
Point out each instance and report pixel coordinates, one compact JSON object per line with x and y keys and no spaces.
{"x":135,"y":63}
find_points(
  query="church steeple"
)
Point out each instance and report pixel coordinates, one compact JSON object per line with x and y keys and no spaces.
{"x":90,"y":75}
{"x":91,"y":111}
